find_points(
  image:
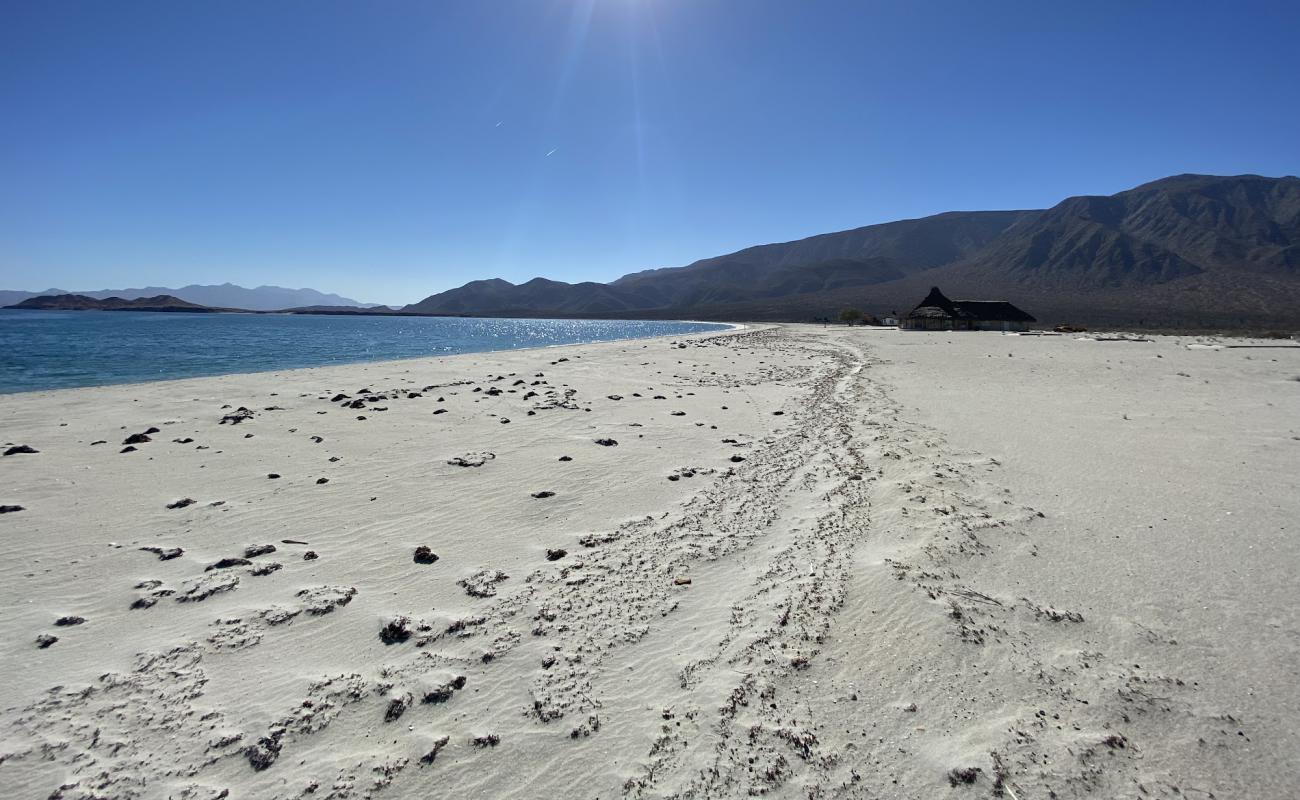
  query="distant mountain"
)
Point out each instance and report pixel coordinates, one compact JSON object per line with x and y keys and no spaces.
{"x":861,"y":257}
{"x":80,"y":302}
{"x":1185,"y":251}
{"x":226,"y":295}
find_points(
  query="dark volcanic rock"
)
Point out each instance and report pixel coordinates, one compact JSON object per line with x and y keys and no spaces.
{"x":543,"y":495}
{"x":19,"y":449}
{"x":397,"y":630}
{"x":64,"y":622}
{"x":165,"y":553}
{"x":607,"y":442}
{"x":45,"y":640}
{"x":322,"y":480}
{"x":472,"y":459}
{"x":310,"y":555}
{"x":556,"y":555}
{"x":423,"y":555}
{"x":182,"y":503}
{"x":238,"y":416}
{"x":137,"y":438}
{"x":227,"y":563}
{"x":10,"y":509}
{"x":127,"y":449}
{"x":272,"y":476}
{"x":255,"y":550}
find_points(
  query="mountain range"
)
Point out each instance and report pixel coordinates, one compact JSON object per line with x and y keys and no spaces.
{"x":226,"y":295}
{"x":1188,"y":251}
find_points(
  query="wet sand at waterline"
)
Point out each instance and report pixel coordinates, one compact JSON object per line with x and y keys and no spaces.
{"x":795,"y":561}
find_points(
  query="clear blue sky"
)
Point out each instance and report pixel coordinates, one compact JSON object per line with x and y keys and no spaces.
{"x":387,"y":150}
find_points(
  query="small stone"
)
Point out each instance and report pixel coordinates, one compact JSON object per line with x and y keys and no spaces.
{"x":423,"y":555}
{"x":45,"y":640}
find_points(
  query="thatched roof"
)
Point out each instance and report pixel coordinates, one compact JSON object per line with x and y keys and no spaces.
{"x":937,"y":306}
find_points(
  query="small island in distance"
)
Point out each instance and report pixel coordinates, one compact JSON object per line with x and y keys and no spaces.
{"x":80,"y":302}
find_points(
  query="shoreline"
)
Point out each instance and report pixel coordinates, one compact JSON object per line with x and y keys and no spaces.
{"x":823,"y":562}
{"x":731,"y":327}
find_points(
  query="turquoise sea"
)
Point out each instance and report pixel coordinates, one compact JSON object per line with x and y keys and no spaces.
{"x":60,"y":349}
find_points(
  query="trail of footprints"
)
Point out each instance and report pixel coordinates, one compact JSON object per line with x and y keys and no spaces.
{"x":740,"y":723}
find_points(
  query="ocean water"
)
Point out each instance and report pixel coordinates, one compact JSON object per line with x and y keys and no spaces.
{"x":60,"y":349}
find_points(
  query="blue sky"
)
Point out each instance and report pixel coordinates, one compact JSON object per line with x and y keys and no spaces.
{"x":387,"y":150}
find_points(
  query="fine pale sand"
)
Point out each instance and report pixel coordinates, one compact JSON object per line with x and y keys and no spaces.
{"x":794,"y":561}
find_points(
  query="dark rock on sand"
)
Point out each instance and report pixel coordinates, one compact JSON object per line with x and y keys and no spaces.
{"x":227,"y":563}
{"x":557,"y":554}
{"x":423,"y":555}
{"x":265,"y":569}
{"x":45,"y":640}
{"x":237,"y":417}
{"x":543,"y":495}
{"x":144,"y":602}
{"x":64,"y":622}
{"x":566,"y":458}
{"x":960,"y":775}
{"x":438,"y":744}
{"x":137,"y":438}
{"x":165,"y":553}
{"x":127,"y":449}
{"x":310,"y":555}
{"x":265,"y":752}
{"x":607,"y":442}
{"x":398,"y":702}
{"x":397,"y":630}
{"x":319,"y":481}
{"x":182,"y":503}
{"x":10,"y":509}
{"x":186,"y":440}
{"x":272,"y":476}
{"x":19,"y":449}
{"x":737,"y":459}
{"x":444,"y":692}
{"x":472,"y":459}
{"x":255,"y":550}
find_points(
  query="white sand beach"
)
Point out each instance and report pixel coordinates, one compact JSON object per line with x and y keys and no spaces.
{"x":792,"y":561}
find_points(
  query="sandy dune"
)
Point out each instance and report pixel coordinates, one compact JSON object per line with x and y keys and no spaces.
{"x":793,"y":561}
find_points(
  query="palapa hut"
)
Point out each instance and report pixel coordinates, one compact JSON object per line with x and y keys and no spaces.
{"x":937,"y":313}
